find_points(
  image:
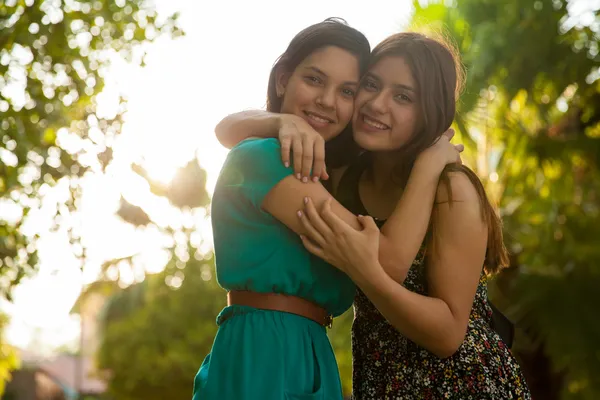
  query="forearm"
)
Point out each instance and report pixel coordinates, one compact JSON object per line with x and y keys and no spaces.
{"x":405,"y":229}
{"x":252,"y":123}
{"x":427,"y":321}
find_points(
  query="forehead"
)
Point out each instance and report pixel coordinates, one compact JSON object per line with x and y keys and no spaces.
{"x":335,"y":62}
{"x":393,"y":70}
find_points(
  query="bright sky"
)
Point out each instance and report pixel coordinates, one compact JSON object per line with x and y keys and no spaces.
{"x":219,"y":67}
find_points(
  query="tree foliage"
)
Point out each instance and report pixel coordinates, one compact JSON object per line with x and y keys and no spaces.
{"x":532,"y":107}
{"x":54,"y":57}
{"x":9,"y":360}
{"x":156,"y":333}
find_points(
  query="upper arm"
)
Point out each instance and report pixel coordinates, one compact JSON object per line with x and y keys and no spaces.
{"x":255,"y":169}
{"x":287,"y":198}
{"x":457,"y":248}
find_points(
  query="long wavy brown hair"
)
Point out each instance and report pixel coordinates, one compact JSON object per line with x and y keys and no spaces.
{"x":342,"y":149}
{"x":439,"y":75}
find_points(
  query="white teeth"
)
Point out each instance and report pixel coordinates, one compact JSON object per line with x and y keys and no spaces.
{"x":374,"y":124}
{"x":316,"y":118}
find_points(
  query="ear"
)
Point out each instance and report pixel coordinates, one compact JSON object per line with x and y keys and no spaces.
{"x":282,"y":77}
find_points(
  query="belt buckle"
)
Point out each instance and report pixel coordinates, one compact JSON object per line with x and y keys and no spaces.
{"x":329,"y":321}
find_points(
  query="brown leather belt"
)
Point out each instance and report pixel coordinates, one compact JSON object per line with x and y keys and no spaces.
{"x":281,"y":302}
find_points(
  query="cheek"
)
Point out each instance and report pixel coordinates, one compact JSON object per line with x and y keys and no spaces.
{"x":345,"y":111}
{"x":359,"y":102}
{"x":295,"y":96}
{"x":404,"y":128}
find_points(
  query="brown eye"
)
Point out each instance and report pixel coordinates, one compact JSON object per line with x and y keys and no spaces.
{"x":404,"y":98}
{"x":313,"y":79}
{"x":348,"y":92}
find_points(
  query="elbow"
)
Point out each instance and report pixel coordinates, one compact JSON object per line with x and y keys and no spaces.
{"x":395,"y":268}
{"x":220,"y":131}
{"x":448,"y":346}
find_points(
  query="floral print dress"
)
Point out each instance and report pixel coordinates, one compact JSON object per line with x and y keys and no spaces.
{"x":387,"y":365}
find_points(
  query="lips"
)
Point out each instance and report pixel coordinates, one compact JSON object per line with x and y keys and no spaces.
{"x":373,"y":123}
{"x":318,"y":118}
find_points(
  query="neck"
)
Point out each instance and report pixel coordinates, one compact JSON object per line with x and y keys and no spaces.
{"x":381,"y":174}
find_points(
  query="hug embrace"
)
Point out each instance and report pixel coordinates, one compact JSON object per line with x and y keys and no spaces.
{"x":347,"y":190}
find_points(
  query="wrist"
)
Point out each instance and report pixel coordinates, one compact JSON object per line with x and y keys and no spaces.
{"x":427,"y":166}
{"x":277,"y":122}
{"x":370,"y":278}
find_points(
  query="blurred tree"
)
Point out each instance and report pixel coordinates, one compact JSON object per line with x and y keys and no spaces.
{"x":8,"y":356}
{"x":53,"y":60}
{"x":178,"y":306}
{"x":532,"y":110}
{"x":156,"y":333}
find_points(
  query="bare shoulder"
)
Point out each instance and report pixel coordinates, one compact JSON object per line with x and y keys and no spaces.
{"x":462,"y":183}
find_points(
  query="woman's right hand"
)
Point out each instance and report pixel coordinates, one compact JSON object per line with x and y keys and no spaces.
{"x":442,"y":152}
{"x":306,"y":145}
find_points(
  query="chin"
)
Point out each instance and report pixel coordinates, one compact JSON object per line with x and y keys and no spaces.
{"x":367,"y":141}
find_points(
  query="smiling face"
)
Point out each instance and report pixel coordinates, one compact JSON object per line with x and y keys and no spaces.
{"x":387,"y":113}
{"x":321,"y":89}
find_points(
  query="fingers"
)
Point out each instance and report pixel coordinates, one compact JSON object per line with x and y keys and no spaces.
{"x":335,"y":223}
{"x":310,"y":230}
{"x":297,"y":151}
{"x":315,"y":219}
{"x":459,"y":160}
{"x":307,"y":157}
{"x":459,"y":147}
{"x":324,"y":174}
{"x":367,"y":222}
{"x":318,"y":159}
{"x":286,"y":143}
{"x":449,"y":134}
{"x":311,"y":247}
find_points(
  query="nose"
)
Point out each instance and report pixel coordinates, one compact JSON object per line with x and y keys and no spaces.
{"x":326,"y":98}
{"x":378,"y":104}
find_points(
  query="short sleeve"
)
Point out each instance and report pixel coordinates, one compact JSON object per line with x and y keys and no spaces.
{"x":254,"y":167}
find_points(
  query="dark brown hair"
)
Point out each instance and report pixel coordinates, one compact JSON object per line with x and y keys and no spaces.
{"x":439,"y":75}
{"x":331,"y":32}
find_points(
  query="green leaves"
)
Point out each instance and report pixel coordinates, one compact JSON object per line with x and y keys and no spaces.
{"x":53,"y":59}
{"x":531,"y":100}
{"x":156,"y":335}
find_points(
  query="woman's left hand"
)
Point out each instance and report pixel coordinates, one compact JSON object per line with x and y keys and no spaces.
{"x":330,"y":238}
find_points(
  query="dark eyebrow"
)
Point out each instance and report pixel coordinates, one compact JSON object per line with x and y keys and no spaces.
{"x":396,"y":86}
{"x":318,"y":71}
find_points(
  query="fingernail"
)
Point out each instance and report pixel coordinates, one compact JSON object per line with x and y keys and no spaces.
{"x":306,"y":200}
{"x":315,"y":179}
{"x":299,"y":213}
{"x":305,"y":179}
{"x":287,"y":164}
{"x":302,"y":237}
{"x":298,"y":176}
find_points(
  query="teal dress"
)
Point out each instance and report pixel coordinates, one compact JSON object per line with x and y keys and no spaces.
{"x":260,"y":354}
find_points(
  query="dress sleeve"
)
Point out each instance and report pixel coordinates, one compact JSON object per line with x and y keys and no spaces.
{"x":254,"y":167}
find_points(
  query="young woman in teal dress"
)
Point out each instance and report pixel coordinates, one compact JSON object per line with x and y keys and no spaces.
{"x":272,"y":342}
{"x":427,"y":335}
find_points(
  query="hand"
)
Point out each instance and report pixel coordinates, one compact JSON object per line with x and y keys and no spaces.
{"x":307,"y":145}
{"x":330,"y":238}
{"x":442,"y":152}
